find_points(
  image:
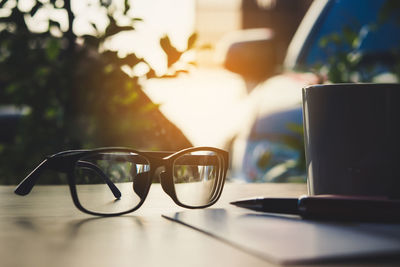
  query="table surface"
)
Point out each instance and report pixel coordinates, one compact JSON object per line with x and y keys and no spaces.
{"x":45,"y":229}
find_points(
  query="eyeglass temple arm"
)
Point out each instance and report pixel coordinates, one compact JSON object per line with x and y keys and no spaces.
{"x":26,"y":185}
{"x":85,"y":164}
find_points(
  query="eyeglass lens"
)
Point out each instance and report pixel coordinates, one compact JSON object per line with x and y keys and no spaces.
{"x":96,"y":174}
{"x":196,"y":175}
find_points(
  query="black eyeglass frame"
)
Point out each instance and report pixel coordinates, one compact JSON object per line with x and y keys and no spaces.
{"x":161,"y":165}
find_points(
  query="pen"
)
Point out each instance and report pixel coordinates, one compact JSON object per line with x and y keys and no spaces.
{"x":329,"y":207}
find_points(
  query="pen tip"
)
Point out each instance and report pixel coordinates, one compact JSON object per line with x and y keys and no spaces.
{"x":271,"y":205}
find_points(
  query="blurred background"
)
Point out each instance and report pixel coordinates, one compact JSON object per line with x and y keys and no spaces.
{"x":169,"y":74}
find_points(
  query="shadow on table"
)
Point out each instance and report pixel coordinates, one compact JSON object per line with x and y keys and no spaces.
{"x":66,"y":231}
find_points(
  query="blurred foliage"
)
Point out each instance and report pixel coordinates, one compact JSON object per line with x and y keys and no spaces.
{"x":354,"y":66}
{"x":75,"y":91}
{"x":347,"y":63}
{"x":293,"y":168}
{"x":296,"y":142}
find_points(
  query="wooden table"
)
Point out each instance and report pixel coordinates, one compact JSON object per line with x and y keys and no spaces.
{"x":45,"y":229}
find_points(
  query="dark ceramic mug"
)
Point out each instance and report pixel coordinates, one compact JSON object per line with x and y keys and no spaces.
{"x":352,"y":139}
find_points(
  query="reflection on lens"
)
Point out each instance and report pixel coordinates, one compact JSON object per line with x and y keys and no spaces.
{"x":111,"y":182}
{"x":196,"y":177}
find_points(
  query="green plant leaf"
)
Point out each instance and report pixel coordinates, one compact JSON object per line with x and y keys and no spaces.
{"x":126,"y":7}
{"x":151,"y":74}
{"x":113,"y":28}
{"x":349,"y":35}
{"x":131,"y":60}
{"x":173,"y":55}
{"x":191,"y":41}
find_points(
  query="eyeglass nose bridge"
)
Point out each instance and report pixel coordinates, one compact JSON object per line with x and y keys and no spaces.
{"x":167,"y":184}
{"x":142,"y":182}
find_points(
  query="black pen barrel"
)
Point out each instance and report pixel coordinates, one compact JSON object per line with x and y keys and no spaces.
{"x":349,"y":209}
{"x":281,"y":205}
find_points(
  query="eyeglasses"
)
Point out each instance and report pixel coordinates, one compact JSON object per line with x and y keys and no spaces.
{"x":116,"y":181}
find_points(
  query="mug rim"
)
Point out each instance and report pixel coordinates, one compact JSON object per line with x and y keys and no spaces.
{"x":350,"y":85}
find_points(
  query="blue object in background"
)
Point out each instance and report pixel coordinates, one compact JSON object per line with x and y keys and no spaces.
{"x":269,"y":155}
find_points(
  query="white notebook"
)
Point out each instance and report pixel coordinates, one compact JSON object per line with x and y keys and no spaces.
{"x":292,"y":240}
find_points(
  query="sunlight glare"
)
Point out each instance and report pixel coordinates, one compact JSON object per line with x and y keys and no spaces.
{"x":174,"y":18}
{"x":207,"y":104}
